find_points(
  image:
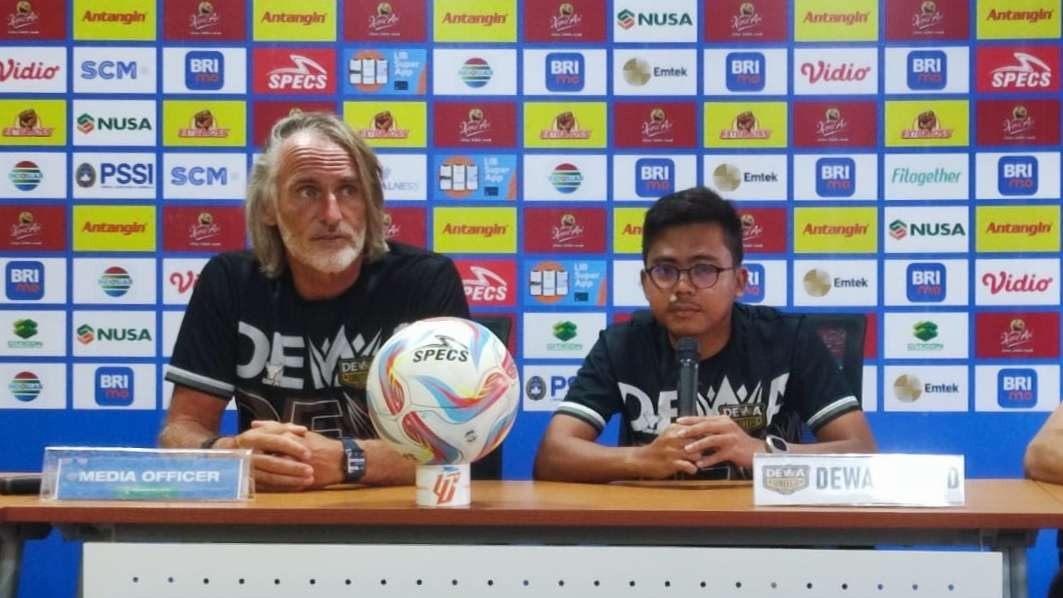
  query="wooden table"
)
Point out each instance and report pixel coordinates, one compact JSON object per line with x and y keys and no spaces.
{"x":1000,"y":515}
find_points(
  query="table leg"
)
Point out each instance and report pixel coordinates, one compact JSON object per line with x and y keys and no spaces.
{"x":10,"y":559}
{"x":1013,"y":548}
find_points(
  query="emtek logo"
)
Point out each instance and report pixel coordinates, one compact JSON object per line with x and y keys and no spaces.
{"x":1017,"y":388}
{"x":114,"y":386}
{"x":835,"y":177}
{"x":109,"y":69}
{"x":754,"y":284}
{"x":1017,"y":175}
{"x":745,"y":71}
{"x":204,"y":70}
{"x":24,"y":281}
{"x":199,"y":176}
{"x":926,"y":283}
{"x":564,"y":71}
{"x":654,"y":177}
{"x":927,"y":70}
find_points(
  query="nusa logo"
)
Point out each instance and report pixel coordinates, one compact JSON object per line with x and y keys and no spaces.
{"x":927,"y":70}
{"x":1017,"y":175}
{"x":745,"y":71}
{"x":654,"y":177}
{"x":835,"y":177}
{"x":1017,"y":388}
{"x":199,"y":176}
{"x":114,"y":386}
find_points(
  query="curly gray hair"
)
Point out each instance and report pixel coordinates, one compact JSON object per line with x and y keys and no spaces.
{"x":262,"y":187}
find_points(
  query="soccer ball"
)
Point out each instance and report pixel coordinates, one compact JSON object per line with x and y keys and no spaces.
{"x":443,"y":391}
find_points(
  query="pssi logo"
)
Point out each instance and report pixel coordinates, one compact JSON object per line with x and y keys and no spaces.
{"x":24,"y":280}
{"x":835,"y":177}
{"x":745,"y":71}
{"x":927,"y":70}
{"x":565,"y":71}
{"x":1017,"y":175}
{"x":654,"y":177}
{"x":1017,"y":388}
{"x":926,"y":283}
{"x":755,"y":280}
{"x":114,"y":386}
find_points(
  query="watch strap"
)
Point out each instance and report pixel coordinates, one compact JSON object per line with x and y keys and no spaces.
{"x":353,"y":463}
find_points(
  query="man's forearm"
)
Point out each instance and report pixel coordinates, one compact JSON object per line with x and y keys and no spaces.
{"x":184,"y":434}
{"x":384,"y":466}
{"x":1044,"y":457}
{"x":577,"y":460}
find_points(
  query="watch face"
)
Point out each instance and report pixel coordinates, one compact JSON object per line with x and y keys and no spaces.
{"x":778,"y":445}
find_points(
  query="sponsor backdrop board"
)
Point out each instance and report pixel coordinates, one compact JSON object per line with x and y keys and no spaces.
{"x":893,"y":158}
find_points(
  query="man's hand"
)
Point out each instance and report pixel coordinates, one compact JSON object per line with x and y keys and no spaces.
{"x":666,"y":455}
{"x":720,"y":434}
{"x":326,"y":457}
{"x":280,"y":458}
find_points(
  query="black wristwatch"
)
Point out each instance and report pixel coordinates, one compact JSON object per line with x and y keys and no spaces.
{"x":353,"y":462}
{"x":776,"y":445}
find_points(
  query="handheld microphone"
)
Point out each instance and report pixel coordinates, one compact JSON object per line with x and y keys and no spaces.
{"x":686,"y":350}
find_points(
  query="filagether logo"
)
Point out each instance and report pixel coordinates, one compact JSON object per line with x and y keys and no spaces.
{"x":745,"y":126}
{"x":27,"y":124}
{"x":1018,"y":338}
{"x":785,"y":479}
{"x":1020,"y":125}
{"x":204,"y":19}
{"x":23,"y":17}
{"x":658,"y":127}
{"x":384,"y":126}
{"x":928,"y":18}
{"x":384,"y":19}
{"x":565,"y":20}
{"x":565,"y":126}
{"x":746,"y":19}
{"x":203,"y":125}
{"x":926,"y":126}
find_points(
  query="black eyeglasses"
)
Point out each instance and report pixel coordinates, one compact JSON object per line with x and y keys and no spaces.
{"x":702,"y":276}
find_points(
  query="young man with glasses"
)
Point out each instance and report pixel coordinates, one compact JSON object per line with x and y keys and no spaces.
{"x":762,"y":374}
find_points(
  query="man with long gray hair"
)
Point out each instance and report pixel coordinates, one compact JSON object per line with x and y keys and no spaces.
{"x":289,"y":329}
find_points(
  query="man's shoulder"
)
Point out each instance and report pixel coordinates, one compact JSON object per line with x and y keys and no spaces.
{"x":408,"y":260}
{"x":240,"y":267}
{"x":637,"y":331}
{"x":766,"y":318}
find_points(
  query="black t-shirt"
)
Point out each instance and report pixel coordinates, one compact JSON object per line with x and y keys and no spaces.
{"x":288,"y":359}
{"x":773,"y":374}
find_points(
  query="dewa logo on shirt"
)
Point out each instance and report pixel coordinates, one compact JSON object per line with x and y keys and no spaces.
{"x":1018,"y":19}
{"x":303,"y":21}
{"x":475,"y":20}
{"x":475,"y":230}
{"x":388,"y":124}
{"x":125,"y":20}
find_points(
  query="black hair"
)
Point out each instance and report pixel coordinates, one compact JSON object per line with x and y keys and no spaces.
{"x":697,"y":205}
